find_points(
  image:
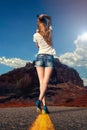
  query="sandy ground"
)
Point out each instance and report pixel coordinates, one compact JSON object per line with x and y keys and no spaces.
{"x":63,"y":118}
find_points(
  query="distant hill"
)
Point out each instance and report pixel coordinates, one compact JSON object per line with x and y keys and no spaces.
{"x":22,"y":86}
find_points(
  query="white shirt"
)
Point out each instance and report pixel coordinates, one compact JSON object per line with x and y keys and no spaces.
{"x":44,"y":48}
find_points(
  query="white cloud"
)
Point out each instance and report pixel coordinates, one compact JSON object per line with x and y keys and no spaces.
{"x":85,"y":81}
{"x":79,"y":56}
{"x":13,"y":62}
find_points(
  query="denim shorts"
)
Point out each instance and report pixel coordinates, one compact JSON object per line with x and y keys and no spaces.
{"x":44,"y":60}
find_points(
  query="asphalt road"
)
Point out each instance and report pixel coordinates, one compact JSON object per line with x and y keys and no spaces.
{"x":63,"y":118}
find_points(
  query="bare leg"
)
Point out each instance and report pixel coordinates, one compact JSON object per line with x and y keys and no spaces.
{"x":47,"y":73}
{"x":43,"y":75}
{"x":40,"y":72}
{"x":44,"y":101}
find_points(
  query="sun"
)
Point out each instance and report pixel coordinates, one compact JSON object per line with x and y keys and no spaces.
{"x":84,"y":36}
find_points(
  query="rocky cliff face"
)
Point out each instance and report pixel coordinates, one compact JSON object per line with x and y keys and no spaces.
{"x":22,"y":83}
{"x":64,"y":74}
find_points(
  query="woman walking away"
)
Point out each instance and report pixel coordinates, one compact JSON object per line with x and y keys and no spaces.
{"x":44,"y":62}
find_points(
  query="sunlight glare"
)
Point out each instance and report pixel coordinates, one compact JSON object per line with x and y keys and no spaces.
{"x":84,"y":36}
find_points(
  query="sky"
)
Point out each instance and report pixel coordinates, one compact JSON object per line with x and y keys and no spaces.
{"x":18,"y":23}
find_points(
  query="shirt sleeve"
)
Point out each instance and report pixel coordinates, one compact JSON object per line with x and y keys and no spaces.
{"x":34,"y":38}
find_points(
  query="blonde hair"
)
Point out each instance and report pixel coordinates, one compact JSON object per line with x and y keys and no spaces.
{"x":44,"y":30}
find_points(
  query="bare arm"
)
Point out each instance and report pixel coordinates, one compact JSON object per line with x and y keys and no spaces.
{"x":48,"y":17}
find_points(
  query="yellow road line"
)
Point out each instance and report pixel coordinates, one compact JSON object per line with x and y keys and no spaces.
{"x":42,"y":122}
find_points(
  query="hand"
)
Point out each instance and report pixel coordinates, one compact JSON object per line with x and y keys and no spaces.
{"x":45,"y":16}
{"x":41,"y":16}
